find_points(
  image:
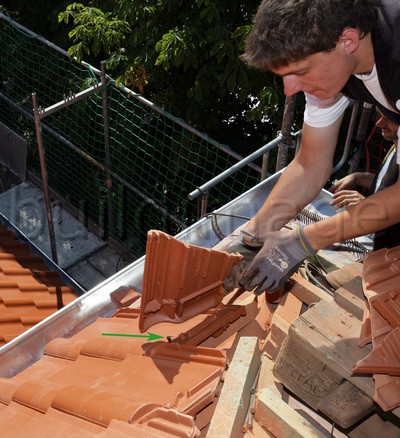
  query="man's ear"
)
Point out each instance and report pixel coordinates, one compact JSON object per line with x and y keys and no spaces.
{"x":350,"y":38}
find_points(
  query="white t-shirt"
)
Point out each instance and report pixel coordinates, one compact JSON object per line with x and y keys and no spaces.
{"x":323,"y":112}
{"x":384,"y":169}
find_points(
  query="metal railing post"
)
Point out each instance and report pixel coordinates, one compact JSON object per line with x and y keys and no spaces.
{"x":107,"y":152}
{"x":288,"y":116}
{"x":354,"y":161}
{"x":264,"y":170}
{"x":46,"y":191}
{"x":204,"y":204}
{"x":348,"y":139}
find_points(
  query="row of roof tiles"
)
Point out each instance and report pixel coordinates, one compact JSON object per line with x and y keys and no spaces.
{"x":29,"y":290}
{"x":97,"y":384}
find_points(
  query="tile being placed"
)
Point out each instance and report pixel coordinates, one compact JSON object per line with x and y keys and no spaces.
{"x":181,"y":280}
{"x":28,"y":288}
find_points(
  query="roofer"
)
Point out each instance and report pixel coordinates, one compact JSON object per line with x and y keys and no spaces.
{"x":343,"y":195}
{"x":333,"y":51}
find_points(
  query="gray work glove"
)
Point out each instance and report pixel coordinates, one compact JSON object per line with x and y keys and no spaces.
{"x":281,"y":255}
{"x":247,"y":251}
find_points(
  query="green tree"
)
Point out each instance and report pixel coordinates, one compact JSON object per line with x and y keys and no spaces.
{"x":184,"y":55}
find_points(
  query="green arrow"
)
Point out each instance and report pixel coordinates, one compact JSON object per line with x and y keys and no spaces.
{"x":150,"y":336}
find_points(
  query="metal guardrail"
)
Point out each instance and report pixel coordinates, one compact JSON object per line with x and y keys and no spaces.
{"x":244,"y":162}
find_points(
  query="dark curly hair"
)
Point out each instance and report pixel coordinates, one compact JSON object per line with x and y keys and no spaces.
{"x":286,"y":31}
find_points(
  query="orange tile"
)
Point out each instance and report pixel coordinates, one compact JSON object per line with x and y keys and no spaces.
{"x":387,"y":391}
{"x":27,"y":288}
{"x":213,"y":325}
{"x":125,"y":296}
{"x":96,"y":385}
{"x":181,"y":280}
{"x":383,"y":359}
{"x":388,"y":305}
{"x":381,"y":275}
{"x":99,"y":385}
{"x":383,"y":268}
{"x":366,"y":333}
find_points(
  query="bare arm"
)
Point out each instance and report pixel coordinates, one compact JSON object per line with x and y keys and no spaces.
{"x":300,"y":182}
{"x":374,"y":213}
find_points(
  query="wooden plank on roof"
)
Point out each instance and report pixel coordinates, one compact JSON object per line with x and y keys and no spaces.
{"x":281,"y":419}
{"x":234,"y":401}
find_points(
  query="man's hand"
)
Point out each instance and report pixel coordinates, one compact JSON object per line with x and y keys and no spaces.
{"x":346,"y":197}
{"x":248,"y":251}
{"x":362,"y":179}
{"x":281,"y":255}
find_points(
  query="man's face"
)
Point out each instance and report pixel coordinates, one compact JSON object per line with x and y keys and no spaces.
{"x":323,"y":74}
{"x":389,"y":129}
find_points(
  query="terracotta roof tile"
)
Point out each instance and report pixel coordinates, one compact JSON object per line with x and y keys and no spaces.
{"x":28,"y":288}
{"x":381,"y":277}
{"x":181,"y":280}
{"x":366,"y":334}
{"x":381,"y":267}
{"x":383,"y":359}
{"x":388,"y":305}
{"x":100,"y":379}
{"x":387,"y":391}
{"x":213,"y":325}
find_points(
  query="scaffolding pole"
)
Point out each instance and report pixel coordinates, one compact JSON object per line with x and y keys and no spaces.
{"x":46,"y":192}
{"x":107,"y":151}
{"x":288,"y":116}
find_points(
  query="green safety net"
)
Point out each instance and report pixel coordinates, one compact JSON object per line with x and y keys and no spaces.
{"x":141,"y":179}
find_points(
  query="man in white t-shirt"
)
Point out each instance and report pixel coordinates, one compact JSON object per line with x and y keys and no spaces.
{"x":324,"y":49}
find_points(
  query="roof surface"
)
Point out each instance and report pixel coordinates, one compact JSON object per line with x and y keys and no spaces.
{"x":101,"y":382}
{"x":29,"y":290}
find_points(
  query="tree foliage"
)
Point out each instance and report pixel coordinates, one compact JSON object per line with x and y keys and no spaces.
{"x":184,"y":55}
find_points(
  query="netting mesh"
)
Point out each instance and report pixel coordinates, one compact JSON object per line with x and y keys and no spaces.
{"x":142,"y":178}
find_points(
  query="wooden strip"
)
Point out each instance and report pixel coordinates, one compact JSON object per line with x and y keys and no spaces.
{"x":267,"y":378}
{"x":234,"y":401}
{"x":281,"y":419}
{"x":351,"y":297}
{"x":307,"y":292}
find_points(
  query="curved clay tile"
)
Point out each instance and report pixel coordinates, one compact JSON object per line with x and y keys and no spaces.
{"x":383,"y":359}
{"x":181,"y":280}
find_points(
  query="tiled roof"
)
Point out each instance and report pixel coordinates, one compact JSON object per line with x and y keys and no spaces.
{"x":97,"y":384}
{"x":29,"y":290}
{"x":90,"y":383}
{"x":108,"y":380}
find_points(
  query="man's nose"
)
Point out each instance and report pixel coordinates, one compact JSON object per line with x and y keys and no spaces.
{"x":291,"y":85}
{"x":380,"y":123}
